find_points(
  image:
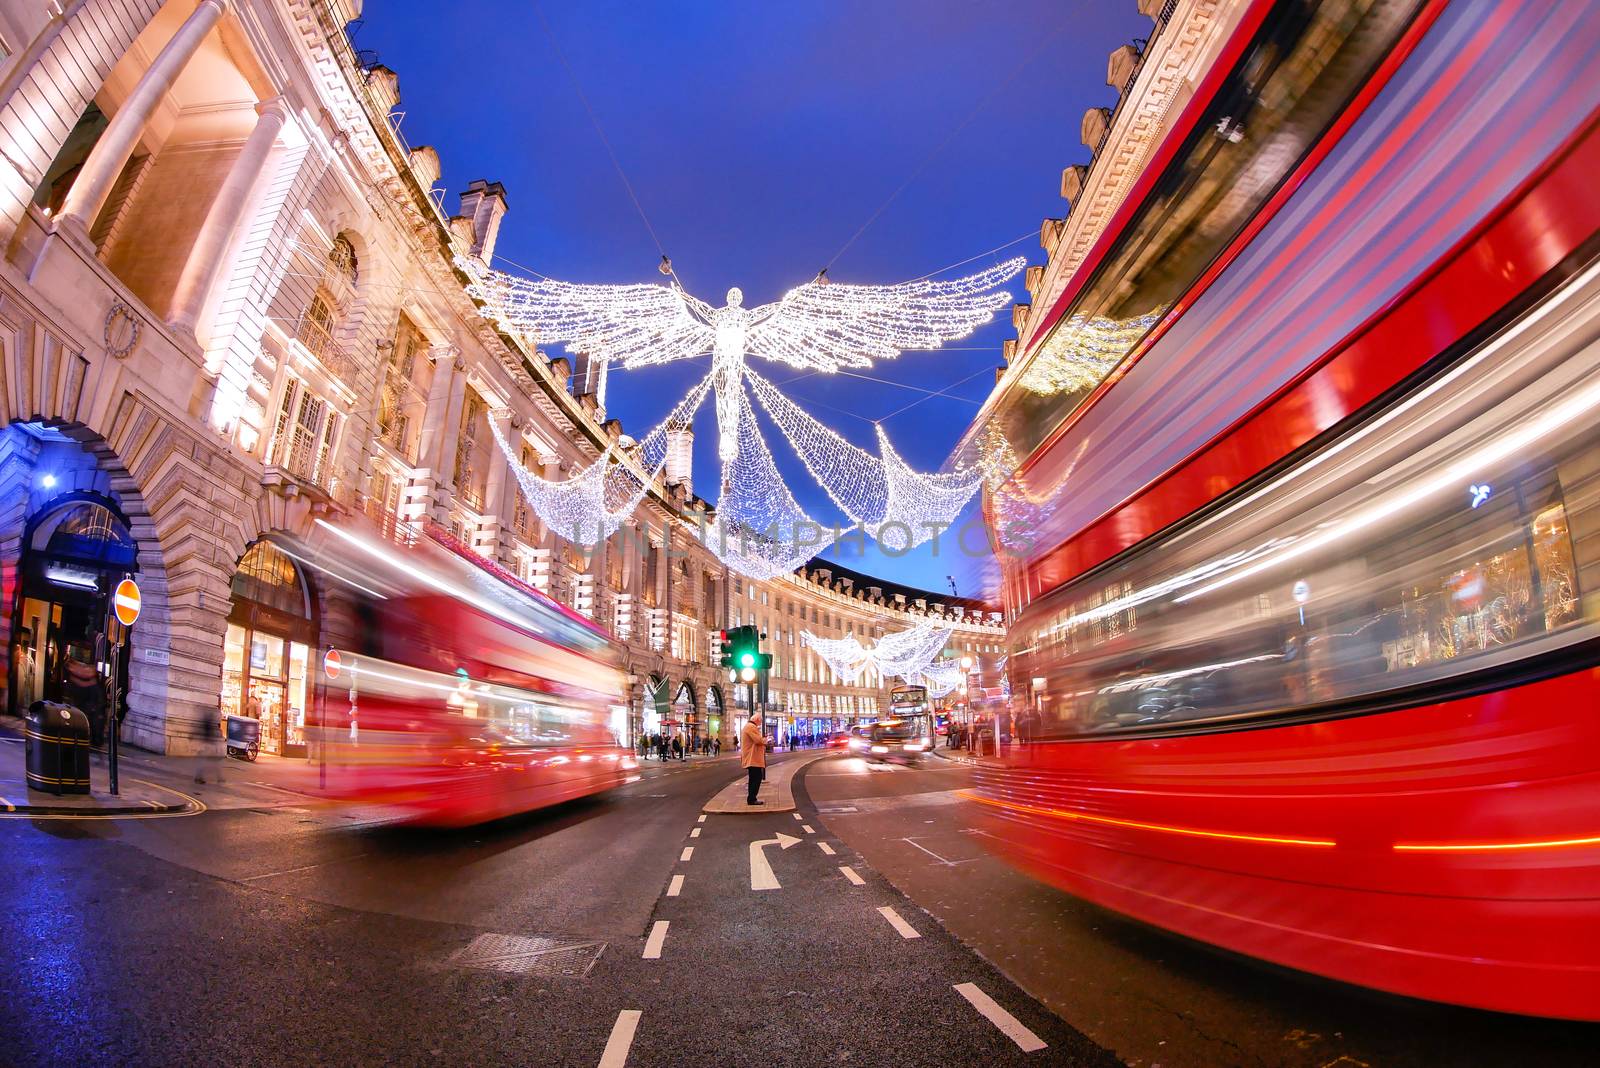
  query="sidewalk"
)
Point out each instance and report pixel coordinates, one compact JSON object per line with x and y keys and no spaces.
{"x":963,"y":756}
{"x":136,"y":796}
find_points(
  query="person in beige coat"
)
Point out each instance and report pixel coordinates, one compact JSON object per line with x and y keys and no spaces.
{"x":753,"y":756}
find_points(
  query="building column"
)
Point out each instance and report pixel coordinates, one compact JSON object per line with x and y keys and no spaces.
{"x":116,"y":144}
{"x":225,"y":216}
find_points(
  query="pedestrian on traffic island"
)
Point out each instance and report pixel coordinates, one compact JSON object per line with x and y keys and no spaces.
{"x":753,"y":756}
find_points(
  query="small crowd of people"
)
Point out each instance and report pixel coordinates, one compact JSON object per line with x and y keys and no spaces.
{"x":677,"y":746}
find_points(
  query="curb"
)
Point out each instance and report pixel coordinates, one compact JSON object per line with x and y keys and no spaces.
{"x":190,"y":806}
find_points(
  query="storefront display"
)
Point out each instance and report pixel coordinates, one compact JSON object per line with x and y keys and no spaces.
{"x":267,"y":650}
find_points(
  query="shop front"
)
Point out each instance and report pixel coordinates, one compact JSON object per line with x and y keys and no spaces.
{"x":267,"y":653}
{"x":74,"y":553}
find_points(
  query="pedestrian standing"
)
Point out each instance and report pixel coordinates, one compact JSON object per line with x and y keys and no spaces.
{"x":716,"y":747}
{"x":753,"y":756}
{"x":677,"y":745}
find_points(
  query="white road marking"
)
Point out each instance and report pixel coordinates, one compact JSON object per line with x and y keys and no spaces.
{"x":798,"y":816}
{"x":702,"y":818}
{"x":761,"y":876}
{"x":935,"y":856}
{"x":303,"y":867}
{"x":905,"y":929}
{"x":675,"y":886}
{"x":621,"y":1040}
{"x":688,"y":851}
{"x":826,"y":848}
{"x":695,"y":833}
{"x":807,"y":828}
{"x":658,"y":935}
{"x":850,"y":873}
{"x":1012,"y":1027}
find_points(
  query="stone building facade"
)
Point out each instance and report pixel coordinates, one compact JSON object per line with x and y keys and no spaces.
{"x":228,"y":306}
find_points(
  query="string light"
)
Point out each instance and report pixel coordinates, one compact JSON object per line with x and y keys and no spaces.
{"x":1082,"y":351}
{"x":907,"y":653}
{"x":821,"y":327}
{"x":901,"y":508}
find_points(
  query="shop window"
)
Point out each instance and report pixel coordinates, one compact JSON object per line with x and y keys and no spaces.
{"x":267,"y":649}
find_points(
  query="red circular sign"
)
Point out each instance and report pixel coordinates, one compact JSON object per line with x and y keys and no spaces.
{"x":125,"y":602}
{"x":332,"y":662}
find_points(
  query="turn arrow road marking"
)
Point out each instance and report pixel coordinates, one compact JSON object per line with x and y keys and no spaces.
{"x":761,"y":877}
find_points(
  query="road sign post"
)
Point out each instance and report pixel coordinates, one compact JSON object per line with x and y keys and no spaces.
{"x":126,"y":604}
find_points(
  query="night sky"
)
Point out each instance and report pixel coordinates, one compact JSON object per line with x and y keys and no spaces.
{"x":759,"y":136}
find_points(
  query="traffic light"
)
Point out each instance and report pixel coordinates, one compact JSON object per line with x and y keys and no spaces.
{"x":742,"y":655}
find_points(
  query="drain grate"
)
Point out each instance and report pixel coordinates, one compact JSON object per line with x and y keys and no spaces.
{"x":529,"y":955}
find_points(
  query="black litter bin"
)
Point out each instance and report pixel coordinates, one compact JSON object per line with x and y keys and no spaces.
{"x":56,"y":741}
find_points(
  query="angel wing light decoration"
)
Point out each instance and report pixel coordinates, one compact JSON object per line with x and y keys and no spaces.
{"x":821,"y":326}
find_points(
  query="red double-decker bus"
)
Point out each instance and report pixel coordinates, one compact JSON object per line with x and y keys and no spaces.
{"x":1305,"y":629}
{"x":450,"y":694}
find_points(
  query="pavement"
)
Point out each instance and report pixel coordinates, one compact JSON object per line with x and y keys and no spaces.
{"x":868,"y":926}
{"x":134,"y":797}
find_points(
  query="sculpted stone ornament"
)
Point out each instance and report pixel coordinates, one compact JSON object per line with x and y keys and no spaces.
{"x":122,"y":331}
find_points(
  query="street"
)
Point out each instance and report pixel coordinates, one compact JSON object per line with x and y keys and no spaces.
{"x":268,"y":930}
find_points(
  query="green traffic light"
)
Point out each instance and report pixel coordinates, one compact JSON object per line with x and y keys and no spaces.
{"x":747,"y":660}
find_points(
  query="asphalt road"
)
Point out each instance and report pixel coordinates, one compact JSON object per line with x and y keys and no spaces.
{"x":1150,"y":997}
{"x":268,"y":931}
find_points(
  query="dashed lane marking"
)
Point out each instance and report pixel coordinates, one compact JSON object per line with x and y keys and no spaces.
{"x":695,"y":833}
{"x":621,"y":1040}
{"x":850,"y":873}
{"x":658,"y":935}
{"x":1009,"y":1025}
{"x":702,"y":818}
{"x":688,"y":851}
{"x":826,"y":848}
{"x":798,"y":816}
{"x":675,"y":887}
{"x":807,"y":828}
{"x":899,"y":924}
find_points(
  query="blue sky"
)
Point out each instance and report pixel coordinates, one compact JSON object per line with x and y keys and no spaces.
{"x":759,"y":137}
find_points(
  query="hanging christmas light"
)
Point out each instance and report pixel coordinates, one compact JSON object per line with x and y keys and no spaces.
{"x":822,"y":327}
{"x":906,"y":654}
{"x":1082,"y":351}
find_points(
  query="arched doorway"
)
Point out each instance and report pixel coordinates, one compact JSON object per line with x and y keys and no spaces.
{"x":74,"y":551}
{"x":657,"y":708}
{"x":267,"y":653}
{"x":714,"y":712}
{"x":684,"y":712}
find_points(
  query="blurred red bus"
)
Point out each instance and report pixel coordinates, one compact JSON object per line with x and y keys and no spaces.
{"x":450,"y":694}
{"x":1305,"y":640}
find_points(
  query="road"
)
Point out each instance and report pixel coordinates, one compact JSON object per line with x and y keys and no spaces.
{"x":625,"y":930}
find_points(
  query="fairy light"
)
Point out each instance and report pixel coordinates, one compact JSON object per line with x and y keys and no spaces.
{"x":1082,"y":351}
{"x":908,"y":654}
{"x":820,"y":327}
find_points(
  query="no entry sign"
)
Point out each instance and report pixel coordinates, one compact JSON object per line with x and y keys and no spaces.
{"x":332,"y":662}
{"x":126,"y":602}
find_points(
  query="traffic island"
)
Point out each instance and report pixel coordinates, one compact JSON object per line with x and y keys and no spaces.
{"x":776,"y":791}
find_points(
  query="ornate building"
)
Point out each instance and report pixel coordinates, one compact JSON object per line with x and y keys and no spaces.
{"x":228,"y":305}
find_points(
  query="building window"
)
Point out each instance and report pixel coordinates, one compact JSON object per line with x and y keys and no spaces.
{"x":303,"y":436}
{"x":407,"y":377}
{"x":471,"y":468}
{"x":383,"y":502}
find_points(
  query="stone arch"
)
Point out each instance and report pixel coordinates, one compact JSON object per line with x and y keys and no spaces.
{"x":46,"y":465}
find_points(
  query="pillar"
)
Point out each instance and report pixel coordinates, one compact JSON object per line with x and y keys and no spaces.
{"x":116,"y":145}
{"x":225,"y":216}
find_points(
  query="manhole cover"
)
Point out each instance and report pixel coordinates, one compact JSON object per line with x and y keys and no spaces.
{"x":528,"y":955}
